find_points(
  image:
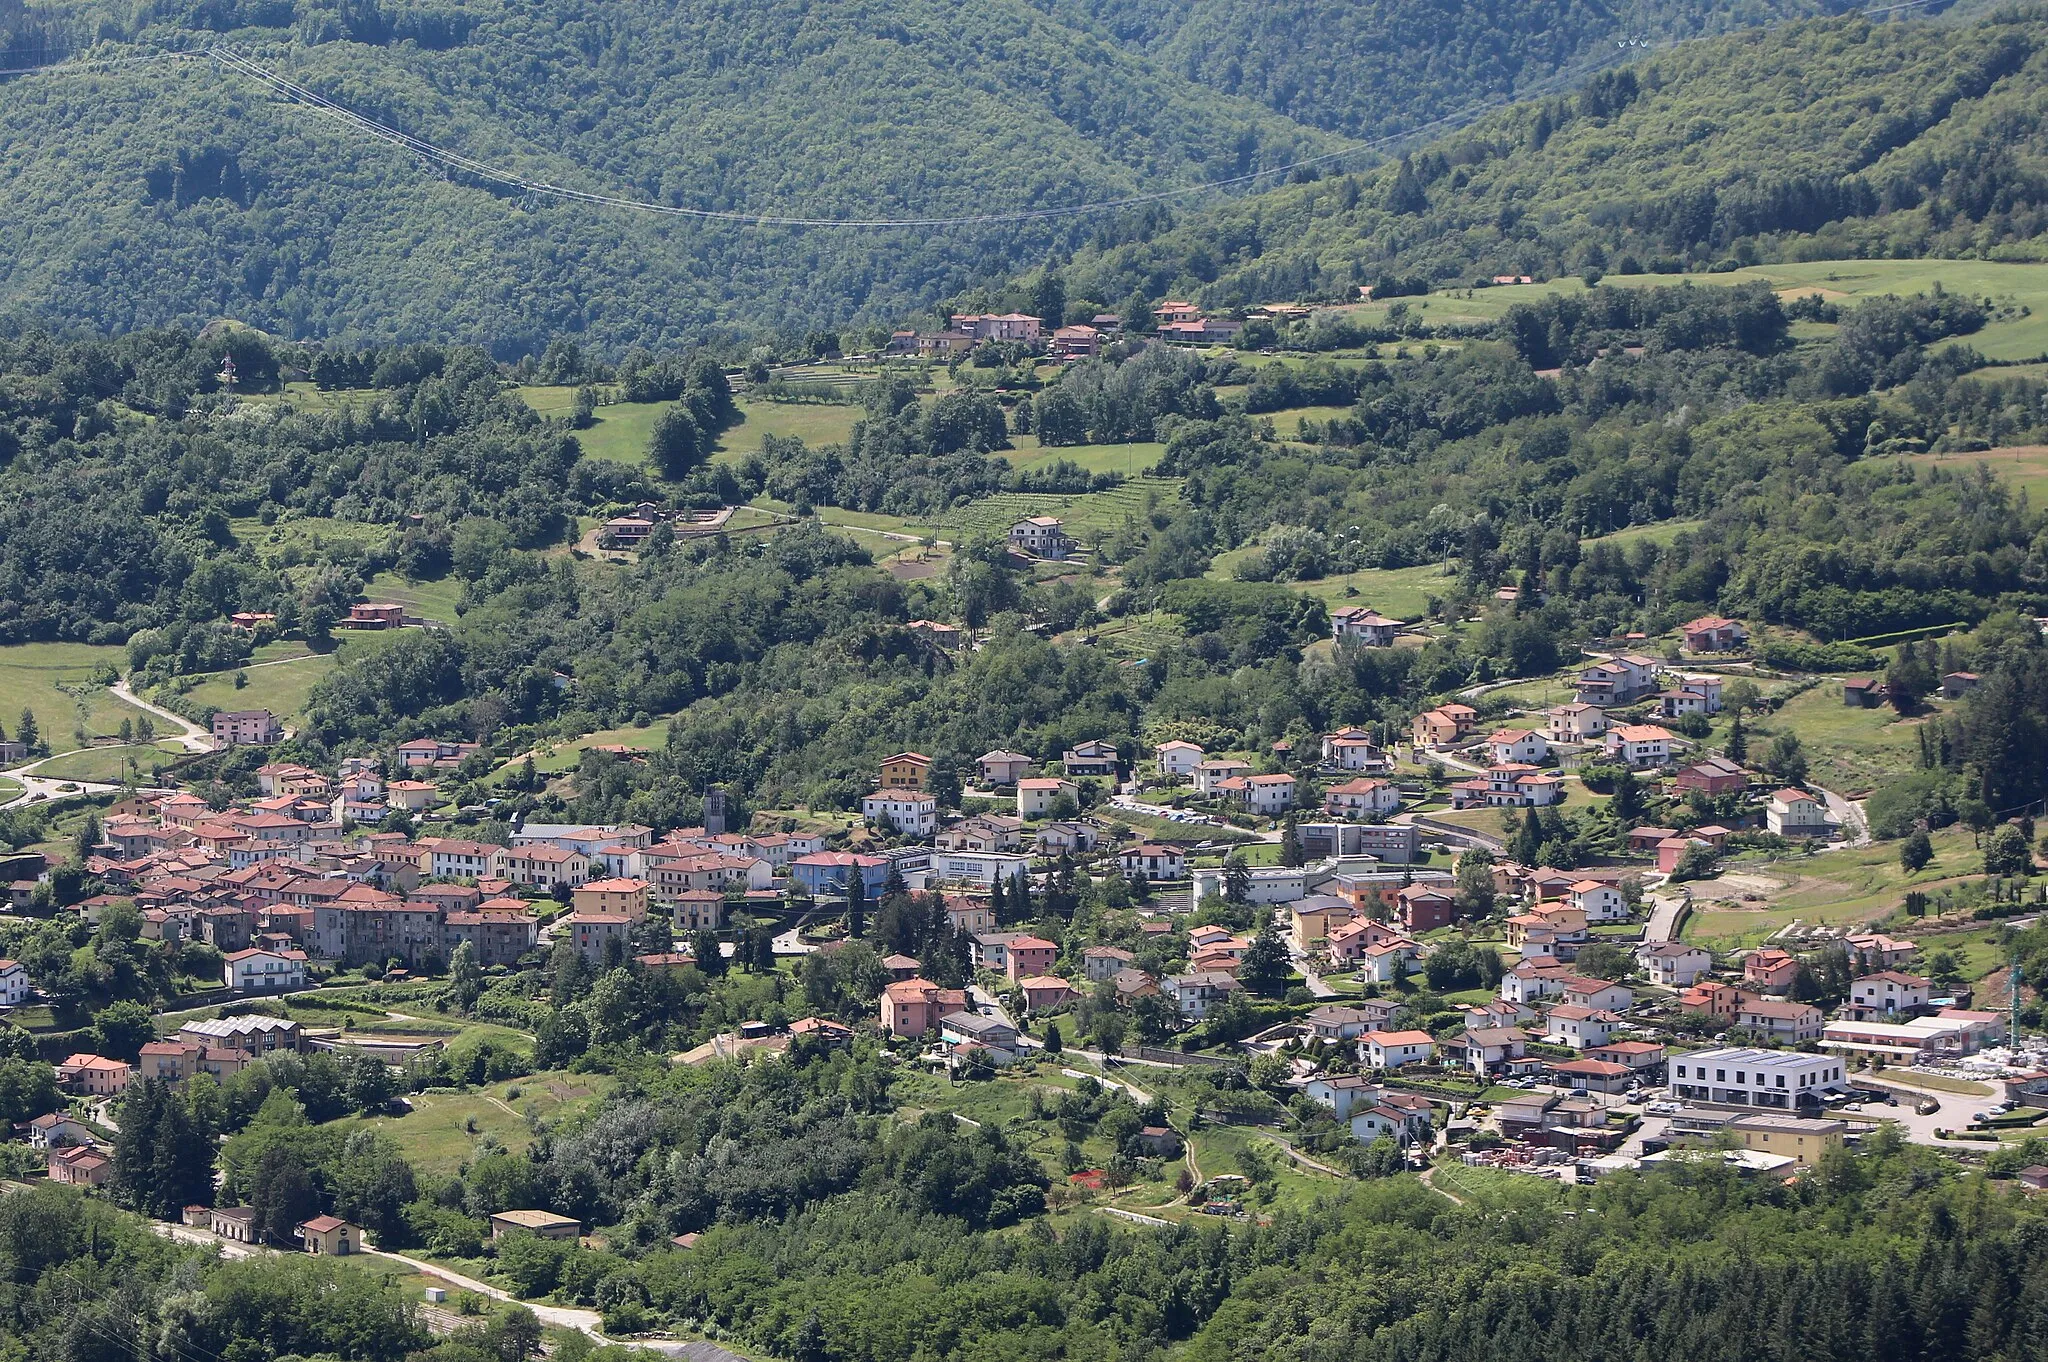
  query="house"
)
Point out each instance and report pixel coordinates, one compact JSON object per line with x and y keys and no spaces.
{"x":55,"y":1131}
{"x":1595,"y":993}
{"x":1646,"y":838}
{"x":264,"y":971}
{"x":545,"y":1224}
{"x":1102,"y":962}
{"x":1712,"y":634}
{"x":1771,"y":969}
{"x":1444,"y":725}
{"x":1955,"y":685}
{"x":1617,"y":680}
{"x":1404,"y":1124}
{"x":1269,"y":796}
{"x":621,"y":894}
{"x":1133,"y":984}
{"x":1210,"y":775}
{"x":1002,"y":768}
{"x":1341,"y":1092}
{"x":1673,"y":964}
{"x":911,"y":815}
{"x":1195,"y":995}
{"x":1546,"y":925}
{"x":541,"y":866}
{"x":592,"y":933}
{"x":1889,"y":993}
{"x":1590,"y":1075}
{"x":1788,"y":1023}
{"x":1076,"y":342}
{"x":1353,"y":749}
{"x":986,"y":832}
{"x":93,"y":1075}
{"x":1783,"y":1079}
{"x":236,"y":1224}
{"x":1159,"y":1142}
{"x":1640,"y":745}
{"x":992,"y":1034}
{"x":1861,"y":692}
{"x":1712,"y":776}
{"x":1090,"y":758}
{"x":1334,"y":1021}
{"x":912,"y":1007}
{"x":1153,"y":861}
{"x":1043,"y":992}
{"x":827,"y":873}
{"x":1390,"y":843}
{"x":1485,"y":1049}
{"x":1041,"y":536}
{"x":1361,"y":624}
{"x":1037,"y":794}
{"x":1362,"y":798}
{"x":433,"y":754}
{"x":1424,"y":908}
{"x":981,"y":868}
{"x":1579,"y":1026}
{"x":14,"y":983}
{"x":2033,"y":1177}
{"x":1795,"y":813}
{"x":246,"y":728}
{"x":1025,"y":955}
{"x":1060,"y":837}
{"x":1692,"y":695}
{"x":1512,"y":785}
{"x":329,"y":1235}
{"x":1800,"y":1138}
{"x":906,"y":771}
{"x":1600,"y":902}
{"x":1712,"y":998}
{"x":1311,"y":919}
{"x":414,"y":796}
{"x":1575,"y":723}
{"x":1639,"y":1055}
{"x":1876,"y":951}
{"x":1395,"y":1049}
{"x":80,"y":1166}
{"x":1177,"y":758}
{"x":1516,"y":745}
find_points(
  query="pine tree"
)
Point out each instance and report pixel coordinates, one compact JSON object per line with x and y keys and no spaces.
{"x":996,"y":903}
{"x":28,"y":735}
{"x":857,"y":901}
{"x":1738,"y":741}
{"x":1290,"y":844}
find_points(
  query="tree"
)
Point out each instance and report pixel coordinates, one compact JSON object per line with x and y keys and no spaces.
{"x":122,"y":1029}
{"x":1290,"y":845}
{"x":677,"y":445}
{"x":1237,"y":881}
{"x":1053,"y":1043}
{"x":1944,"y":971}
{"x":1696,"y":862}
{"x":704,"y":949}
{"x":88,"y":837}
{"x":1627,"y":800}
{"x":465,"y":976}
{"x":1737,"y":748}
{"x":1916,"y":851}
{"x":2006,"y":853}
{"x":1788,"y":760}
{"x":1475,"y":884}
{"x":1108,"y":1033}
{"x":856,"y":903}
{"x":163,"y":1150}
{"x":28,"y":735}
{"x":283,"y":1195}
{"x":1264,"y":967}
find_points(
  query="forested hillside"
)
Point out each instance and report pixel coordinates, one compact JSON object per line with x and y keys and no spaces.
{"x":1828,"y":139}
{"x":170,"y":190}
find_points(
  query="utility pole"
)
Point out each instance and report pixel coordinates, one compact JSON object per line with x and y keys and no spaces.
{"x":2012,"y":1004}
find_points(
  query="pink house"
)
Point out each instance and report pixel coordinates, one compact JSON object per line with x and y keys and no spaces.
{"x":911,"y":1007}
{"x":1045,"y":991}
{"x":1030,"y":956}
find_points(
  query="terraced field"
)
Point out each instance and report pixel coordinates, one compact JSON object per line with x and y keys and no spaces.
{"x":1087,"y":515}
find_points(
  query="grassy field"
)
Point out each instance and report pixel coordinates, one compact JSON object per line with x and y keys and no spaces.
{"x":815,"y":423}
{"x":1287,"y":424}
{"x":427,"y":600}
{"x":307,"y":532}
{"x":282,"y":687}
{"x":1838,"y":280}
{"x":1492,"y":1189}
{"x":1403,"y":593}
{"x":30,"y":674}
{"x":1848,"y":750}
{"x":442,"y":1131}
{"x":111,"y":764}
{"x":1750,"y":900}
{"x":2024,"y":467}
{"x":566,"y":756}
{"x":1576,"y":799}
{"x":1131,"y":460}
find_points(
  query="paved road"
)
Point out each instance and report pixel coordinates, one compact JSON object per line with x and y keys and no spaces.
{"x":37,"y":789}
{"x":1135,"y":1218}
{"x":792,"y":941}
{"x":184,"y":732}
{"x":1664,"y":914}
{"x":1849,"y":814}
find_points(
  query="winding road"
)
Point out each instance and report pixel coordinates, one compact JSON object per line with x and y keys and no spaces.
{"x":187,"y":734}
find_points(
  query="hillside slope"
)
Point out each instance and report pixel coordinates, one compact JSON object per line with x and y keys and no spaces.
{"x":1818,"y":140}
{"x":173,"y":191}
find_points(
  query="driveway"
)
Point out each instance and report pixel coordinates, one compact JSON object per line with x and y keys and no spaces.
{"x":1848,"y":814}
{"x":184,"y":732}
{"x":1665,"y":911}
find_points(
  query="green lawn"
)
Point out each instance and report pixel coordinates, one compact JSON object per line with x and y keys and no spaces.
{"x":29,"y":676}
{"x":1131,"y":460}
{"x":427,"y":600}
{"x":441,"y":1133}
{"x":1848,"y":750}
{"x":110,"y":764}
{"x":1751,"y":899}
{"x":282,"y":688}
{"x":815,"y":423}
{"x":1403,"y":593}
{"x":1287,"y":424}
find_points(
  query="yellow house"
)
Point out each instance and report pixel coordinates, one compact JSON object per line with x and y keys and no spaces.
{"x":906,"y":771}
{"x":628,"y":896}
{"x":1795,"y":1137}
{"x":1315,"y":916}
{"x":330,"y":1235}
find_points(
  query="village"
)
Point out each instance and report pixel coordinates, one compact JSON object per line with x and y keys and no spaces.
{"x":1314,"y":914}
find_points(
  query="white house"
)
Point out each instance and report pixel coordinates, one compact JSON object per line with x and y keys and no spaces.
{"x":1211,"y":773}
{"x":1153,"y":861}
{"x":1177,"y":758}
{"x":1596,"y":993}
{"x":1393,"y":1049}
{"x":1576,"y":723}
{"x":976,"y":867}
{"x":1002,"y":767}
{"x":1364,"y":625}
{"x":1196,"y":995}
{"x":1341,"y":1092}
{"x":1404,"y":1124}
{"x":261,"y":971}
{"x":1041,"y":536}
{"x":1269,"y":795}
{"x":1599,"y":902}
{"x":1362,"y":798}
{"x":1517,"y":745}
{"x":1265,"y":884}
{"x":14,"y":984}
{"x":1640,"y":744}
{"x":1795,"y":813}
{"x":1578,"y":1026}
{"x":1890,"y":993}
{"x":1530,"y":982}
{"x":1353,"y":749}
{"x":910,"y":813}
{"x":1673,"y":964}
{"x":1037,"y":794}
